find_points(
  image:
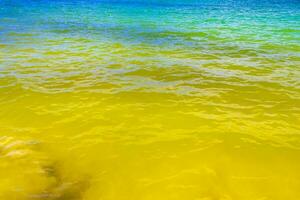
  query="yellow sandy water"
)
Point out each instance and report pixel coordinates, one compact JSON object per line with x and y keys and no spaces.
{"x":88,"y":119}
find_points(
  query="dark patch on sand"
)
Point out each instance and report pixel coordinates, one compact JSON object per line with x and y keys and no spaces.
{"x":63,"y":188}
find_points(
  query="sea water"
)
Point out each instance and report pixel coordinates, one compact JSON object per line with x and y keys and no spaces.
{"x":149,"y":100}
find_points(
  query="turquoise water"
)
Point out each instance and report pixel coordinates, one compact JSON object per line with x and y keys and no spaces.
{"x":182,"y":99}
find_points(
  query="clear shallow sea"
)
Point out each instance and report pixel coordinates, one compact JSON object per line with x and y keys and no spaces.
{"x":149,"y":100}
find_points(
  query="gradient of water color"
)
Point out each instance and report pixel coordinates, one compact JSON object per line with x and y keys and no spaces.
{"x":149,"y":100}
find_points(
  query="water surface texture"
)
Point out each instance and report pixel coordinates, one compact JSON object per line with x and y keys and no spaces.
{"x":150,"y":100}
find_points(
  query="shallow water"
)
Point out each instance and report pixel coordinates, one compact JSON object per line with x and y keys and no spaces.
{"x":136,"y":100}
